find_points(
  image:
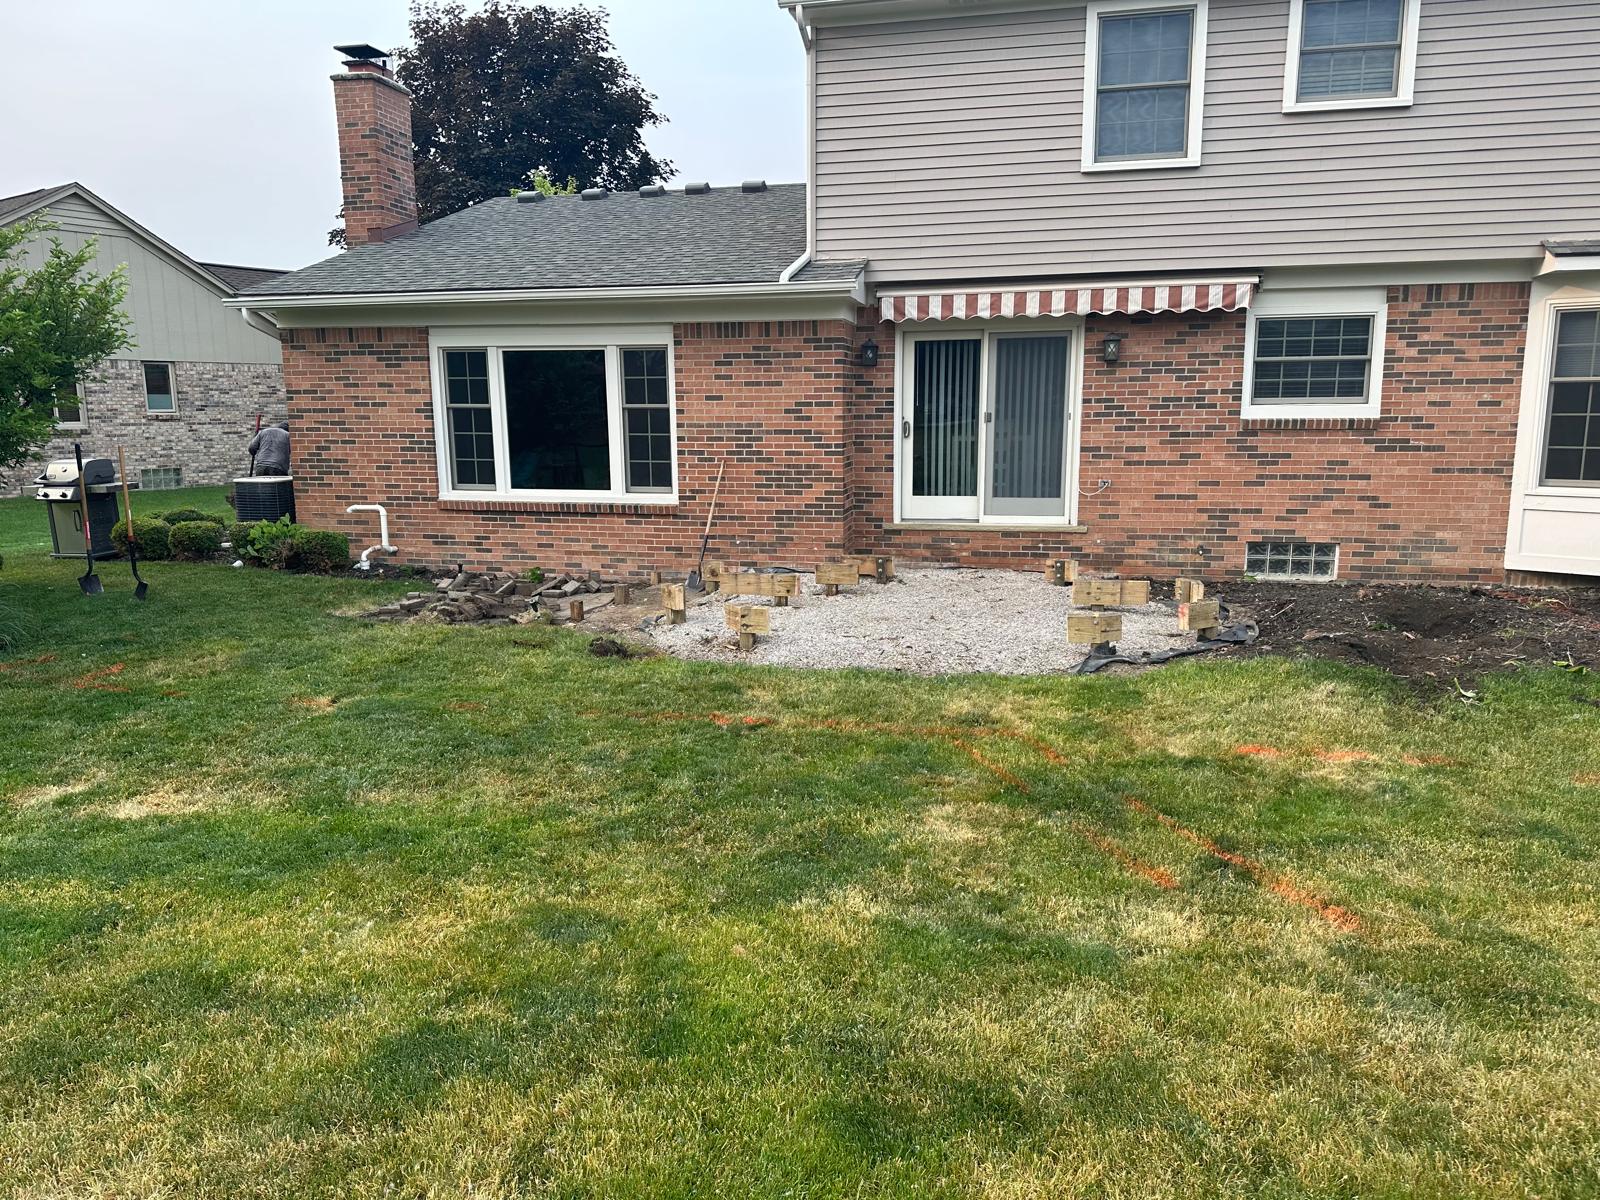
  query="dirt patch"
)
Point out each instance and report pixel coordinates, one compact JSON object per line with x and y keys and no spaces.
{"x":1434,"y":636}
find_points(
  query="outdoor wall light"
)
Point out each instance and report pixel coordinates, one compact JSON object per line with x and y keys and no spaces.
{"x":1111,"y":348}
{"x":869,"y":354}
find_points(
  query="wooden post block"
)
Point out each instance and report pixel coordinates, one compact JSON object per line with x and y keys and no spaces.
{"x":1061,"y":571}
{"x":1200,"y":616}
{"x":833,"y":576}
{"x":575,"y":610}
{"x":758,"y":583}
{"x":1097,"y":593}
{"x":622,"y":594}
{"x":712,"y":575}
{"x":655,"y":578}
{"x":1185,"y":591}
{"x":1093,"y":628}
{"x":879,"y":567}
{"x":676,"y":602}
{"x":1135,"y":593}
{"x":748,"y":620}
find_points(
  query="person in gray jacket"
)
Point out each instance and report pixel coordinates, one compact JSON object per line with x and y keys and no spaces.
{"x":269,"y":450}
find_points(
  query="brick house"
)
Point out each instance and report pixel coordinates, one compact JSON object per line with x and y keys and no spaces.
{"x":1298,"y":287}
{"x":183,"y":398}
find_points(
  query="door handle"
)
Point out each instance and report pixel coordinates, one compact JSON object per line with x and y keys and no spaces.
{"x":905,"y":429}
{"x":988,"y":418}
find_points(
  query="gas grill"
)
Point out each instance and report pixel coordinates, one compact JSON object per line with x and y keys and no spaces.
{"x":62,"y":491}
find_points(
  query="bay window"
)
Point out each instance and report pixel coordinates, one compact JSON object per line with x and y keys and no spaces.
{"x":1572,"y":442}
{"x":556,"y":414}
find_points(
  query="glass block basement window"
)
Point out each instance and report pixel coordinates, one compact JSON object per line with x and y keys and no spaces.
{"x":160,"y":479}
{"x":1291,"y":560}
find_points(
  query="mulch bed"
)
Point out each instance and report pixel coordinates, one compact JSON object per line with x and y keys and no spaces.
{"x":1439,"y":636}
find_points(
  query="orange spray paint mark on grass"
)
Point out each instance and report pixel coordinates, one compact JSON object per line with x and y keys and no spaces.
{"x":1339,"y":918}
{"x":98,"y":680}
{"x":1345,"y":756}
{"x":1586,"y":780}
{"x":27,"y":662}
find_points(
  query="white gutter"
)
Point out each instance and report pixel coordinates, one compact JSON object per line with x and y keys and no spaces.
{"x":855,"y":290}
{"x":800,"y":264}
{"x":259,"y":322}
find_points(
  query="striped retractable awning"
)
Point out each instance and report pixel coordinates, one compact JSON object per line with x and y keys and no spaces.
{"x":1200,"y":296}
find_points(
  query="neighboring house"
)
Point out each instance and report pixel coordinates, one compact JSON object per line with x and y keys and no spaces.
{"x":182,"y":399}
{"x":1294,"y":287}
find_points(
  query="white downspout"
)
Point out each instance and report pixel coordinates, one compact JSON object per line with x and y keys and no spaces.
{"x":808,"y":38}
{"x":258,"y":322}
{"x":383,"y":534}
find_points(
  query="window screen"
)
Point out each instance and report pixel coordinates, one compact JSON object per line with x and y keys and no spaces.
{"x":1291,"y":560}
{"x":1142,"y":105}
{"x":647,"y":413}
{"x":557,"y":429}
{"x":1572,"y":449}
{"x":471,"y":425}
{"x":1323,"y":359}
{"x":1350,"y":48}
{"x":158,"y":394}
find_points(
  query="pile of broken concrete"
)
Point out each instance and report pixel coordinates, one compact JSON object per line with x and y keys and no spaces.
{"x":498,"y":599}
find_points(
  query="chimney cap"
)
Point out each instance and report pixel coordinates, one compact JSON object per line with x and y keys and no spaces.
{"x":362,"y":52}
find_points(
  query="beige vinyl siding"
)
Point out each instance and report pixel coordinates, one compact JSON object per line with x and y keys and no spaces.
{"x":177,"y":317}
{"x":949,"y":148}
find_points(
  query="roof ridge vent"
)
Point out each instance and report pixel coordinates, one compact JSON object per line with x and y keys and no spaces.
{"x":753,"y":185}
{"x":696,"y":189}
{"x":594,"y":193}
{"x":531,"y":196}
{"x":653,"y":189}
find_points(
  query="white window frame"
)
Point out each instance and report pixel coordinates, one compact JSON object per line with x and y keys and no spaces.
{"x":906,"y":337}
{"x":82,"y":422}
{"x":172,"y":382}
{"x":494,"y":340}
{"x":1320,"y":302}
{"x":1406,"y":83}
{"x":1091,"y":84}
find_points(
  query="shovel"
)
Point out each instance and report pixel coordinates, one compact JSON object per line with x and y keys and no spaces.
{"x":88,"y":581}
{"x":143,"y":590}
{"x":694,"y":582}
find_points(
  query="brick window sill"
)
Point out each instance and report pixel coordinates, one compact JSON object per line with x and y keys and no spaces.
{"x":558,"y":508}
{"x":1320,"y":423}
{"x":977,"y":527}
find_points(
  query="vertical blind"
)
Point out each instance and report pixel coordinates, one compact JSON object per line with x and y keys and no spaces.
{"x":1030,"y":413}
{"x":944,"y":415}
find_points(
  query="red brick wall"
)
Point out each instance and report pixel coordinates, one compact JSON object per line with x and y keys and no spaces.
{"x":1421,"y":493}
{"x":375,"y":159}
{"x":767,"y":397}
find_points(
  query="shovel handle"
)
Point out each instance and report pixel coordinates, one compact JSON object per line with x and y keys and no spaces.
{"x":127,"y":497}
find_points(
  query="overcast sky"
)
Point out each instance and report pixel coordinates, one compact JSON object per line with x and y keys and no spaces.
{"x":210,"y":122}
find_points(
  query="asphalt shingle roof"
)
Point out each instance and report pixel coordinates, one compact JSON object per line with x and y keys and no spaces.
{"x":724,"y":236}
{"x":10,"y":206}
{"x":1570,"y":249}
{"x":239,"y":278}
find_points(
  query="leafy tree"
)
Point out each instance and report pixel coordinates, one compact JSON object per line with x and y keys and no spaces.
{"x":57,"y":321}
{"x":510,"y":95}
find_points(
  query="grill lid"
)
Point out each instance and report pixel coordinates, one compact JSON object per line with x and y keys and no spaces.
{"x":96,"y":471}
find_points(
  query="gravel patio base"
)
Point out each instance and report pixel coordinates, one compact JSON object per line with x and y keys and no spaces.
{"x":928,"y":621}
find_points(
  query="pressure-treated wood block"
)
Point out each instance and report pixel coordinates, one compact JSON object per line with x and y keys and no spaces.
{"x":676,"y":602}
{"x":1092,"y":628}
{"x":842,"y":574}
{"x":757,"y":583}
{"x":713,"y":575}
{"x":1135,"y":593}
{"x":1097,"y":593}
{"x":575,"y":610}
{"x":748,"y":618}
{"x":1061,"y":571}
{"x":622,"y":594}
{"x":1200,"y":615}
{"x":877,"y":566}
{"x":1184,"y":591}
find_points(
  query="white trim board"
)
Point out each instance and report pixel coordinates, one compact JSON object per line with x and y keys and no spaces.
{"x":1322,"y":302}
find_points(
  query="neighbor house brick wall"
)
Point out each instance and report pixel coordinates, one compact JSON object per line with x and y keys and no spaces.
{"x":766,"y":397}
{"x":207,"y":436}
{"x":1420,"y":493}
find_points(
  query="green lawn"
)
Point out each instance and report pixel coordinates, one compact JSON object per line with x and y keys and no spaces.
{"x":294,"y":905}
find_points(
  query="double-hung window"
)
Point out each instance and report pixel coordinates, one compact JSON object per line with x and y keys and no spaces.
{"x":1144,"y":84}
{"x":1572,"y":446}
{"x":1351,"y":54}
{"x":556,"y":414}
{"x":68,"y":410}
{"x":1316,"y":354}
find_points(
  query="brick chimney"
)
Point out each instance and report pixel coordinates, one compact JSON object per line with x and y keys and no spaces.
{"x":374,"y":114}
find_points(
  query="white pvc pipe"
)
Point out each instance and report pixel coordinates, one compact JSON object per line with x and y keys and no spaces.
{"x":383,"y":534}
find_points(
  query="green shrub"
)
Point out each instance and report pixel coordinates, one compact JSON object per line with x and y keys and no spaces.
{"x":153,"y":535}
{"x":179,"y":516}
{"x":239,"y":537}
{"x":319,"y":550}
{"x":196,"y":539}
{"x":269,"y":542}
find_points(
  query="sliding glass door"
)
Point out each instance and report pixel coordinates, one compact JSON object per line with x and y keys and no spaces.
{"x":986,"y":425}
